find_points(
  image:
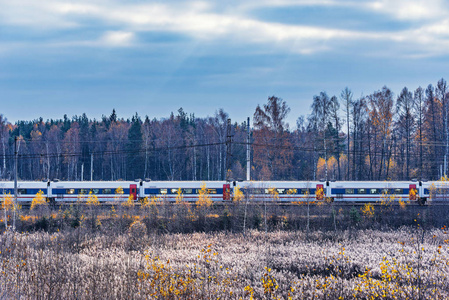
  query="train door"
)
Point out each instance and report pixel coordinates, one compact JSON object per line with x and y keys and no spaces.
{"x":226,"y":191}
{"x":412,"y":192}
{"x":133,"y":191}
{"x":319,"y":192}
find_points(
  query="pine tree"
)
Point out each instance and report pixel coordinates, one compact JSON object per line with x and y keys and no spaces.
{"x":135,"y":160}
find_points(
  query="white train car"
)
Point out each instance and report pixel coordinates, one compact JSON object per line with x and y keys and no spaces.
{"x":69,"y":191}
{"x":283,"y":191}
{"x":373,"y":191}
{"x":168,"y":190}
{"x":435,"y":191}
{"x":26,"y":190}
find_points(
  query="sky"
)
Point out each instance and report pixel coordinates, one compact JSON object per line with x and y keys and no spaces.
{"x":152,"y":57}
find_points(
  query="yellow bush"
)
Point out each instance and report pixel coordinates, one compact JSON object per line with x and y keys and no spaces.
{"x":319,"y":193}
{"x":129,"y":203}
{"x":204,"y":199}
{"x":92,"y":200}
{"x":8,"y":202}
{"x":402,"y":203}
{"x":368,"y":210}
{"x":118,"y":194}
{"x":179,"y":196}
{"x":39,"y":200}
{"x":274,"y":194}
{"x":238,"y":194}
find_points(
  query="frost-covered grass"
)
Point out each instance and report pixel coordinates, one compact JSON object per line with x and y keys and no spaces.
{"x":408,"y":263}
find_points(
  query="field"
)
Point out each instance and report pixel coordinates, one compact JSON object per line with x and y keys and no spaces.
{"x":184,"y":251}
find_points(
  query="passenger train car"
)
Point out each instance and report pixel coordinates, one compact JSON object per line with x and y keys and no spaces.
{"x":280,"y":191}
{"x":26,"y":190}
{"x":362,"y":191}
{"x":104,"y":190}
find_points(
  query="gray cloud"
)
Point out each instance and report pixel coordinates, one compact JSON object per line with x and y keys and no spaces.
{"x":428,"y":32}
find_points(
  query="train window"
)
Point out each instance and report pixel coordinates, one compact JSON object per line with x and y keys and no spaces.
{"x":305,"y":191}
{"x":70,"y":191}
{"x":291,"y":191}
{"x":373,"y":191}
{"x":82,"y":191}
{"x":442,"y":191}
{"x":163,"y":191}
{"x":174,"y":191}
{"x":187,"y":191}
{"x":212,"y":191}
{"x":21,"y":191}
{"x":385,"y":191}
{"x":257,"y":191}
{"x":95,"y":191}
{"x":107,"y":191}
{"x":361,"y":191}
{"x":398,"y":191}
{"x":281,"y":191}
{"x":349,"y":191}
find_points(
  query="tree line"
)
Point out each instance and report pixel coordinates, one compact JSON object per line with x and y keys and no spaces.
{"x":375,"y":137}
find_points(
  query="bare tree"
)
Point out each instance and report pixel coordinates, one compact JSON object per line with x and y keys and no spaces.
{"x":270,"y":129}
{"x":406,"y":121}
{"x":321,"y":116}
{"x":346,"y":97}
{"x":441,"y":92}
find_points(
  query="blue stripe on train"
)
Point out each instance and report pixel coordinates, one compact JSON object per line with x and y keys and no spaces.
{"x":356,"y":191}
{"x":21,"y":191}
{"x":171,"y":191}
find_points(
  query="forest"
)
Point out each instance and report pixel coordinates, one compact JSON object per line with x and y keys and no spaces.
{"x":381,"y":136}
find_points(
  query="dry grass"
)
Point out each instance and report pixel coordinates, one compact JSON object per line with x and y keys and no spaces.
{"x":408,"y":263}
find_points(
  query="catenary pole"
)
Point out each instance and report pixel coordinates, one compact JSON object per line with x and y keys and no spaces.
{"x":248,"y":153}
{"x":91,"y":166}
{"x":16,"y":152}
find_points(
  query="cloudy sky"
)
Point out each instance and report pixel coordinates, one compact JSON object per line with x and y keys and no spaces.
{"x":151,"y":57}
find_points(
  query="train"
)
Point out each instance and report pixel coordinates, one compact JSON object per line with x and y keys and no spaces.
{"x":281,"y":191}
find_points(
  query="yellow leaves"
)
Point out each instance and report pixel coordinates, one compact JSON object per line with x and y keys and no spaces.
{"x":412,"y":194}
{"x":204,"y":199}
{"x":179,"y":196}
{"x":402,"y":204}
{"x":368,"y":210}
{"x":8,"y":202}
{"x":26,"y":218}
{"x":274,"y":194}
{"x":319,"y":193}
{"x":92,"y":200}
{"x":238,"y":194}
{"x":39,"y":200}
{"x":129,"y":203}
{"x":162,"y":281}
{"x":320,"y":166}
{"x":387,"y":199}
{"x":118,"y":194}
{"x":269,"y":283}
{"x":249,"y":291}
{"x":292,"y":191}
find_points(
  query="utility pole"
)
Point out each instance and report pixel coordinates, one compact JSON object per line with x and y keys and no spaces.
{"x":91,"y":166}
{"x":228,"y":149}
{"x":16,"y":153}
{"x":248,"y":153}
{"x":443,"y":89}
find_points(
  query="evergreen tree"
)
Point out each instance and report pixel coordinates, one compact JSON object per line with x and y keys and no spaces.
{"x":135,"y":160}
